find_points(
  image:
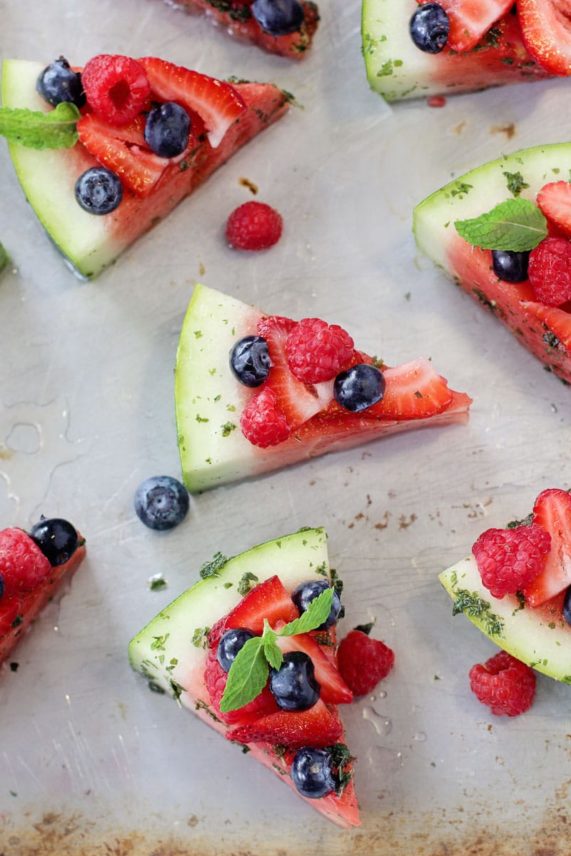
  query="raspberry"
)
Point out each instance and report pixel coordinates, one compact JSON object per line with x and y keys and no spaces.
{"x":117,"y":88}
{"x":363,"y":661}
{"x":550,"y":271}
{"x":23,"y":566}
{"x":262,"y":421}
{"x":510,"y":559}
{"x":253,"y":226}
{"x":316,"y":351}
{"x":215,"y":680}
{"x":503,"y":683}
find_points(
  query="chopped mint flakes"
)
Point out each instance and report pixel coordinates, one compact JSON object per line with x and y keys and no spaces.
{"x":227,"y":428}
{"x":212,"y":568}
{"x":158,"y":643}
{"x":157,"y":582}
{"x":247,"y":582}
{"x":4,"y":258}
{"x":200,"y":637}
{"x":472,"y":605}
{"x":515,"y":182}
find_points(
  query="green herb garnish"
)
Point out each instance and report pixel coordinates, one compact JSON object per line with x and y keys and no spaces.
{"x":471,"y":604}
{"x":37,"y":130}
{"x":212,"y":568}
{"x":515,"y":182}
{"x":4,"y":258}
{"x":246,"y":583}
{"x":516,"y":224}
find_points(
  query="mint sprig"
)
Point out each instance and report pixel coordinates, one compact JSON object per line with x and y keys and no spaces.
{"x":250,"y":670}
{"x":4,"y":258}
{"x":516,"y":224}
{"x":36,"y":130}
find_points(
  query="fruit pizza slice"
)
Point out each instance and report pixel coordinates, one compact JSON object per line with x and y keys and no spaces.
{"x":251,"y":649}
{"x":421,"y":48}
{"x":105,"y":152}
{"x":32,"y":568}
{"x":284,"y":27}
{"x":516,"y":588}
{"x":255,"y":393}
{"x":503,"y":233}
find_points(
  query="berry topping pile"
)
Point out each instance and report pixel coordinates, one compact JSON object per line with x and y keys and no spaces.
{"x":504,"y":684}
{"x":254,"y":226}
{"x":310,"y":370}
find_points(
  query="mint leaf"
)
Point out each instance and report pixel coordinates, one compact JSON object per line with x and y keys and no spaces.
{"x":37,"y":130}
{"x":247,"y":676}
{"x":313,"y":617}
{"x":271,"y":651}
{"x":516,"y":224}
{"x":4,"y":258}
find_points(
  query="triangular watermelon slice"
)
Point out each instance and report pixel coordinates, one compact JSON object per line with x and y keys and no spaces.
{"x":210,"y":401}
{"x":176,"y":652}
{"x":495,"y":55}
{"x":543,"y":330}
{"x":235,"y":17}
{"x":48,"y":177}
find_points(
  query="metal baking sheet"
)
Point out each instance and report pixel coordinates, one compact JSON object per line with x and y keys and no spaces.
{"x":93,"y":763}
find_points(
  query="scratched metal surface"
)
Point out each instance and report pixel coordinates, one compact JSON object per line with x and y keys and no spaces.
{"x":90,"y":761}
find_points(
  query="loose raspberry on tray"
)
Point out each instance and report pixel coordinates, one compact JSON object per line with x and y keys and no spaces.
{"x":116,"y":87}
{"x":317,"y":351}
{"x":510,"y":559}
{"x":254,"y":226}
{"x":504,"y":684}
{"x":363,"y":661}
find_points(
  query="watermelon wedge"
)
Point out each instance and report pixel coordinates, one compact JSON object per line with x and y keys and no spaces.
{"x":532,"y":626}
{"x":235,"y":17}
{"x":543,"y":330}
{"x":211,"y":402}
{"x":152,"y":186}
{"x":177,"y":655}
{"x":21,"y":605}
{"x":398,"y":69}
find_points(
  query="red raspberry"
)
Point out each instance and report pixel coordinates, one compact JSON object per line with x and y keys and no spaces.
{"x":253,"y":226}
{"x":262,"y":421}
{"x":509,"y":559}
{"x":215,"y":679}
{"x":23,"y":566}
{"x":116,"y":87}
{"x":550,"y":271}
{"x":363,"y":661}
{"x":316,"y":351}
{"x":505,"y":684}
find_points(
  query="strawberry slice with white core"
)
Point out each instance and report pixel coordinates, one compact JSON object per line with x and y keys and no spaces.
{"x":555,"y":201}
{"x":413,"y":391}
{"x":268,"y":600}
{"x":552,"y":511}
{"x":318,"y":726}
{"x":297,"y":401}
{"x":333,"y":688}
{"x":217,"y":103}
{"x":470,"y":20}
{"x":546,"y":28}
{"x":119,"y":150}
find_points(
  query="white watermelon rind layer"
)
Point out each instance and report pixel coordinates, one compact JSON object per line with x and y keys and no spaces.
{"x":480,"y":190}
{"x":544,"y":643}
{"x":48,"y":179}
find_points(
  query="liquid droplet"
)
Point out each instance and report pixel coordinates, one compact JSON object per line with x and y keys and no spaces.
{"x":420,"y":737}
{"x":380,"y":723}
{"x":389,"y":760}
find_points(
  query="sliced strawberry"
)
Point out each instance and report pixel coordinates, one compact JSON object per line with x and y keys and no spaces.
{"x":470,"y":20}
{"x":10,"y":614}
{"x":119,"y":150}
{"x":215,"y":680}
{"x":555,"y":321}
{"x":217,"y":103}
{"x":552,"y":511}
{"x":546,"y":29}
{"x":318,"y":726}
{"x":297,"y":401}
{"x":413,"y":391}
{"x":333,"y":688}
{"x":267,"y":600}
{"x":555,"y":201}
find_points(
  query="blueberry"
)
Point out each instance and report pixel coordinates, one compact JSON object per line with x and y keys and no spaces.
{"x":167,"y":129}
{"x":231,"y":643}
{"x":306,"y":592}
{"x":429,"y":28}
{"x":56,"y":538}
{"x":1,"y":586}
{"x":567,"y":606}
{"x":510,"y":266}
{"x":58,"y":83}
{"x":250,"y":360}
{"x":98,"y":190}
{"x":312,"y":774}
{"x":161,"y":502}
{"x":278,"y":17}
{"x":359,"y":387}
{"x":293,"y":685}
